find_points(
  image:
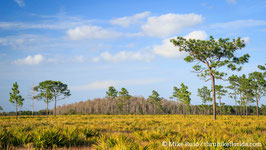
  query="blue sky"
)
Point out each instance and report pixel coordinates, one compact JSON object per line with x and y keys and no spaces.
{"x":91,"y":45}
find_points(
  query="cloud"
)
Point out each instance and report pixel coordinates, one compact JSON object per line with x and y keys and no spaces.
{"x":170,"y":24}
{"x":30,"y":60}
{"x":18,"y":41}
{"x":20,"y":3}
{"x":199,"y":35}
{"x":231,"y":1}
{"x":126,"y":21}
{"x":23,"y":25}
{"x":246,"y":39}
{"x":56,"y":22}
{"x":79,"y":59}
{"x":168,"y":50}
{"x":47,"y":43}
{"x":239,"y":24}
{"x":124,"y":56}
{"x":65,"y":59}
{"x":103,"y":85}
{"x":91,"y":32}
{"x":29,"y":42}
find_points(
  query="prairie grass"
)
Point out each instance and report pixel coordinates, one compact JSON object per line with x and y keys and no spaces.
{"x":130,"y":132}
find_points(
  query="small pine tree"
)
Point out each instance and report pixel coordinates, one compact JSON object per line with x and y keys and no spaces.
{"x":220,"y":91}
{"x":122,"y":99}
{"x":112,"y":94}
{"x":183,"y":95}
{"x":155,"y":99}
{"x":205,"y":94}
{"x":15,"y":97}
{"x":1,"y":109}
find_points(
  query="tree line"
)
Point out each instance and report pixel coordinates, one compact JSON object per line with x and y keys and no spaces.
{"x":121,"y":102}
{"x":209,"y":55}
{"x":137,"y":106}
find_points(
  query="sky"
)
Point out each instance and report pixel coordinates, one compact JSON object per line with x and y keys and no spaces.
{"x":91,"y":45}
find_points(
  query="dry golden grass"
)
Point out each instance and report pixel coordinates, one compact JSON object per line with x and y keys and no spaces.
{"x":131,"y":132}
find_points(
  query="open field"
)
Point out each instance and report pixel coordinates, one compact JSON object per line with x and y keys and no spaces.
{"x":132,"y":132}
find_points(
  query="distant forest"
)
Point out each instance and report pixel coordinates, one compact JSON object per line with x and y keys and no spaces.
{"x":142,"y":106}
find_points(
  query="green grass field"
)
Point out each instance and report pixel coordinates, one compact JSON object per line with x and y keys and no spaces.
{"x":133,"y":132}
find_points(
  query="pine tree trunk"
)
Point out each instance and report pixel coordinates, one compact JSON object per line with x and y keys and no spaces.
{"x":32,"y":97}
{"x":112,"y":111}
{"x":247,"y":105}
{"x":46,"y":104}
{"x":235,"y":104}
{"x":240,"y":105}
{"x":213,"y":97}
{"x":16,"y":110}
{"x":47,"y":109}
{"x":257,"y":102}
{"x":220,"y":107}
{"x":32,"y":113}
{"x":55,"y":106}
{"x":184,"y":109}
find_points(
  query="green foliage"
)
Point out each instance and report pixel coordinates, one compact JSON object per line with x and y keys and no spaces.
{"x":123,"y":97}
{"x":124,"y":94}
{"x":258,"y":83}
{"x":71,"y":112}
{"x":59,"y":89}
{"x":49,"y":138}
{"x":44,"y":91}
{"x":119,"y":132}
{"x":1,"y":108}
{"x":155,"y":97}
{"x":111,"y":93}
{"x":213,"y":53}
{"x":51,"y":89}
{"x":15,"y":97}
{"x":246,"y":88}
{"x":263,"y":68}
{"x":156,"y":100}
{"x":233,"y":80}
{"x":234,"y":85}
{"x":205,"y":94}
{"x":220,"y":91}
{"x":182,"y":94}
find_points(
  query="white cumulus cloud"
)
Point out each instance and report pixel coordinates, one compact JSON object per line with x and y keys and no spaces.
{"x":170,"y":24}
{"x":124,"y":56}
{"x":199,"y":35}
{"x":30,"y":60}
{"x":126,"y":21}
{"x":168,"y":50}
{"x":91,"y":32}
